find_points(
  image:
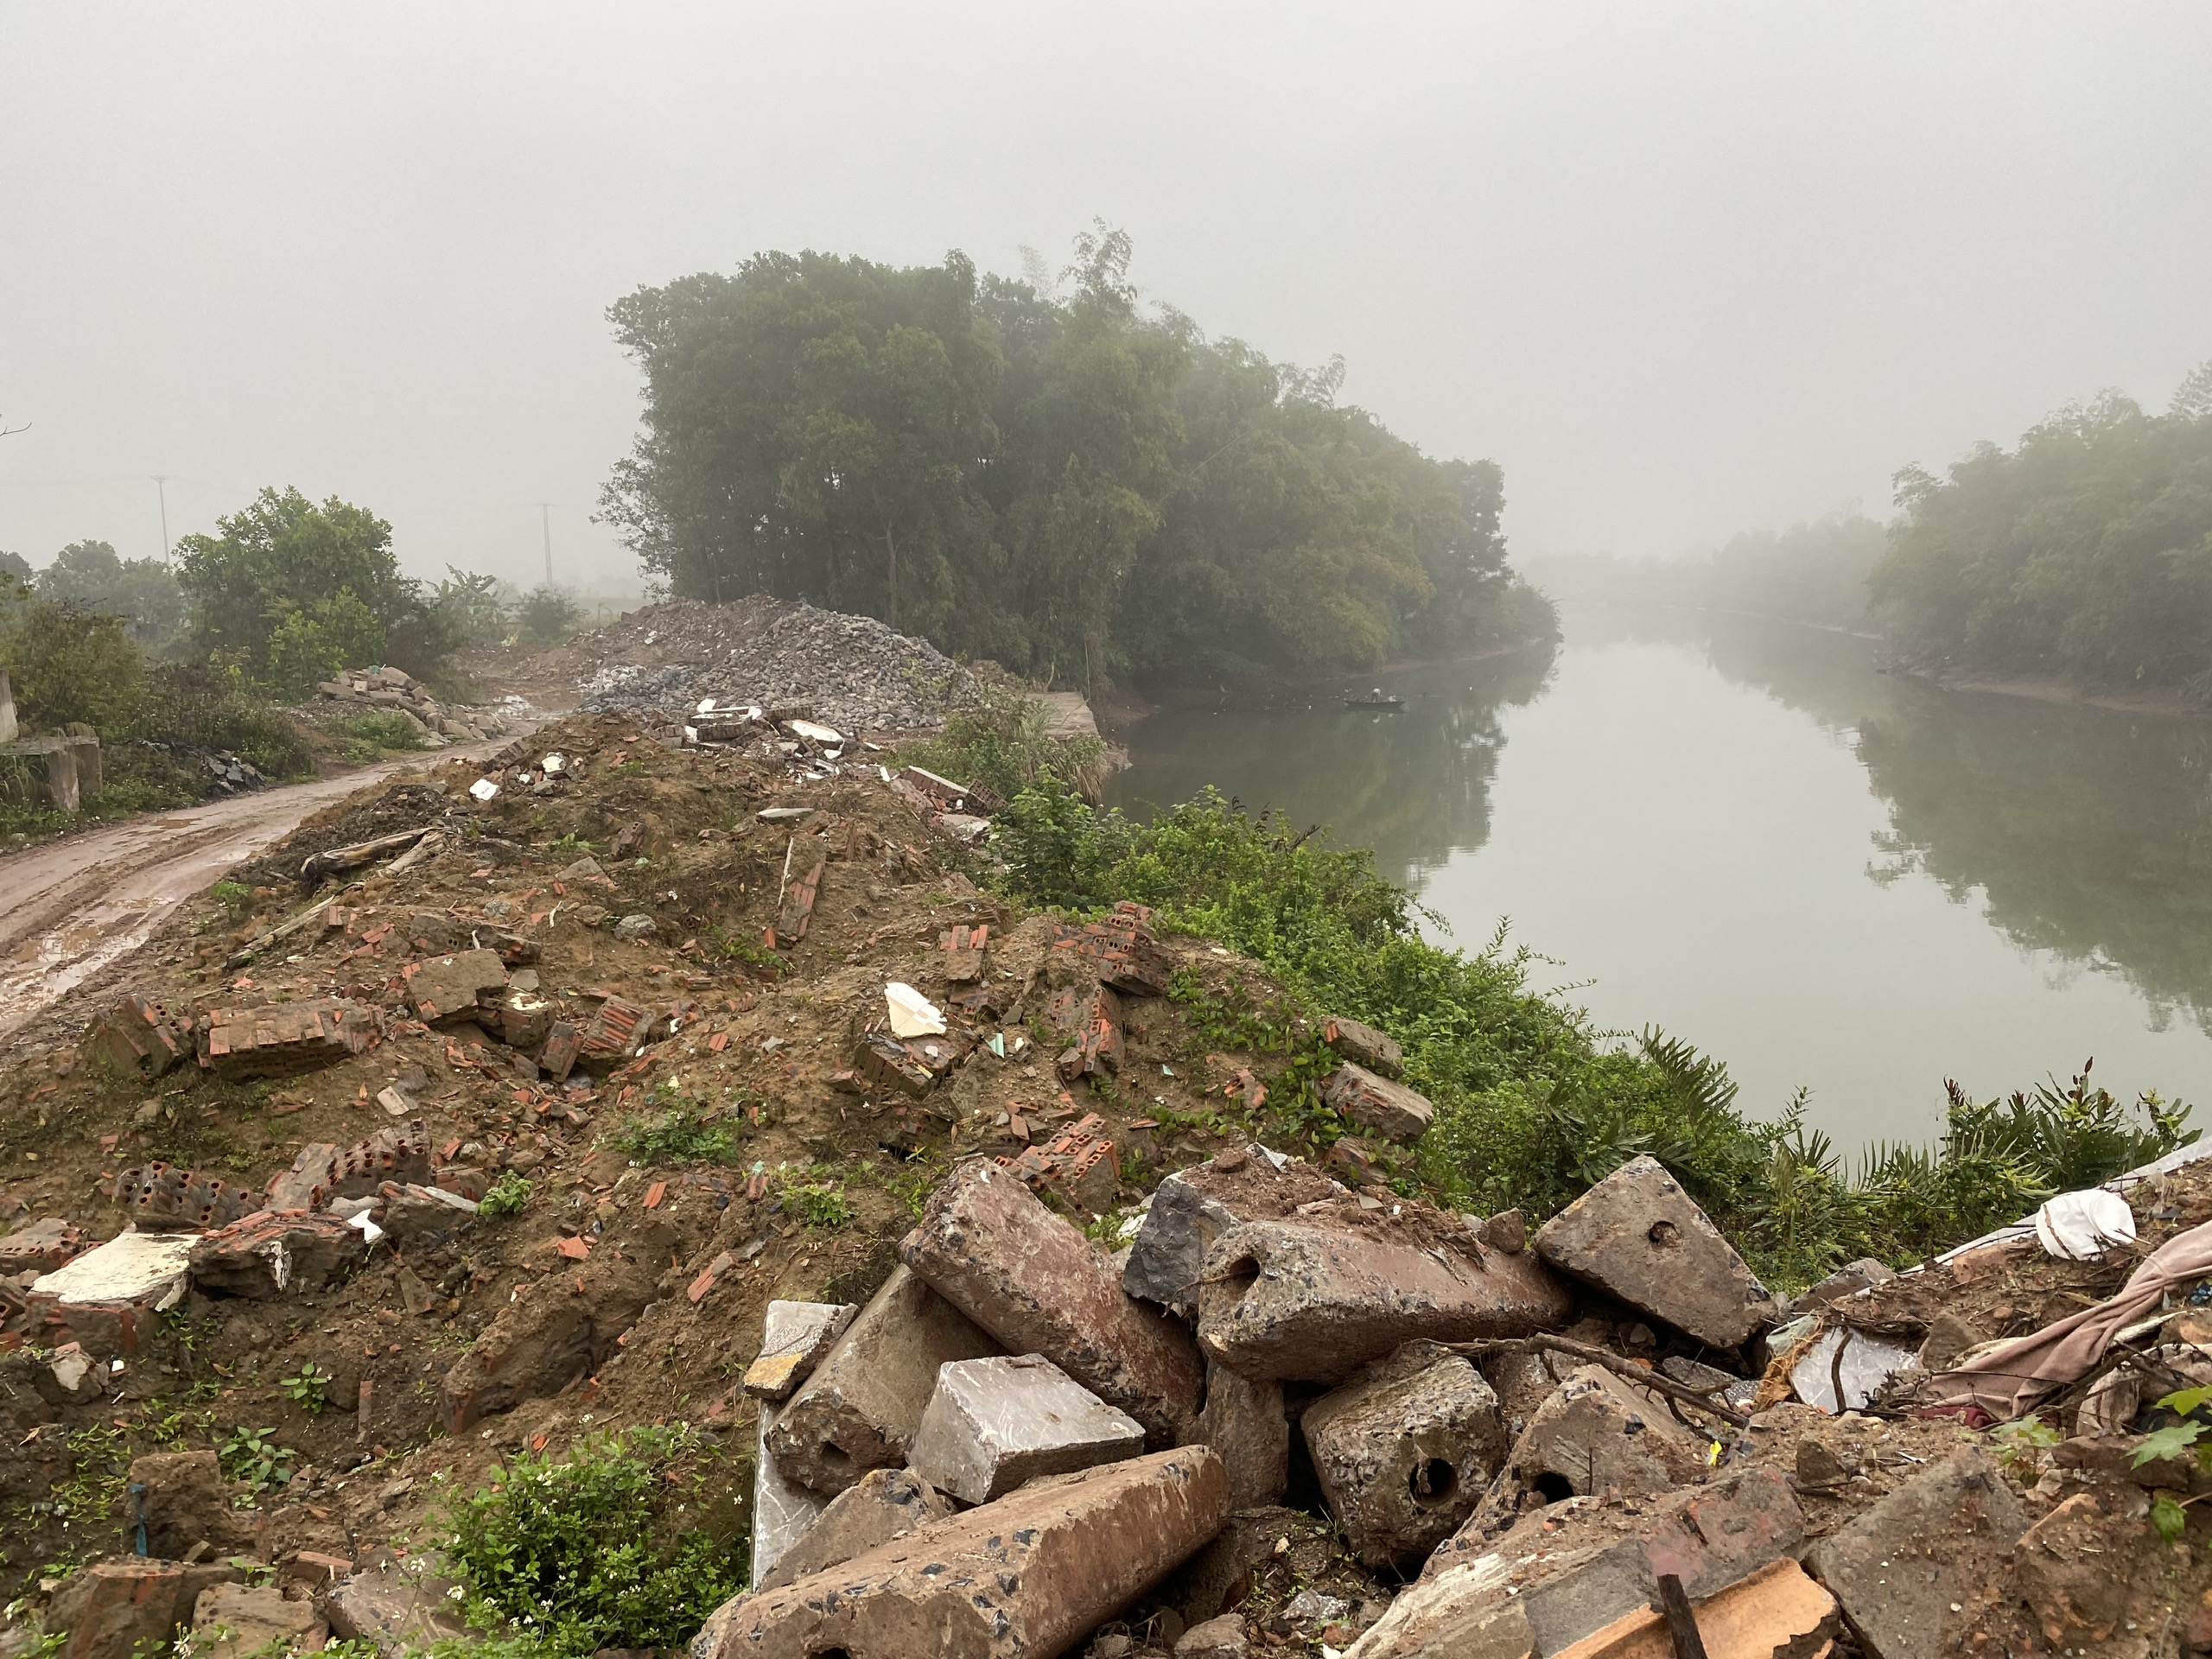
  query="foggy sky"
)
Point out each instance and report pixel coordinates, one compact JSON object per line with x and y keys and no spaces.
{"x":1682,"y":270}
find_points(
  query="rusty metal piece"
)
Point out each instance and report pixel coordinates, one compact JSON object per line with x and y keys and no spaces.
{"x":158,"y":1195}
{"x":283,"y":1038}
{"x":1026,"y":1275}
{"x":1030,"y":1574}
{"x":1308,"y":1301}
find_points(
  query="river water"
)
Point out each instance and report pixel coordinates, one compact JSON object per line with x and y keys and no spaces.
{"x":1741,"y":831}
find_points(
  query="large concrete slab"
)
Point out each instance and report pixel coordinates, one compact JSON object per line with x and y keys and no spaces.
{"x":989,"y":1245}
{"x":993,"y":1424}
{"x":1030,"y":1575}
{"x":1312,"y":1302}
{"x":1193,"y":1207}
{"x":1404,"y":1451}
{"x":860,"y":1409}
{"x":883,"y":1504}
{"x":1640,"y":1238}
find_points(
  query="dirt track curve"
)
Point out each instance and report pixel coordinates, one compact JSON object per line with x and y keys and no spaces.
{"x":71,"y":907}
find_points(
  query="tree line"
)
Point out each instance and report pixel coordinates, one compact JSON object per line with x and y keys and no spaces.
{"x":1045,"y":474}
{"x":2084,"y":552}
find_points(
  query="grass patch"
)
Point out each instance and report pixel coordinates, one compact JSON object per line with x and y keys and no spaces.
{"x":365,"y":739}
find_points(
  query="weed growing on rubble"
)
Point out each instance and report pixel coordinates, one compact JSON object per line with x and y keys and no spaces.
{"x":308,"y":1388}
{"x":1002,"y":745}
{"x":592,"y":1552}
{"x":679,"y":1134}
{"x":818,"y":1204}
{"x":507,"y":1197}
{"x":369,"y":738}
{"x":236,"y":899}
{"x":1534,"y":1104}
{"x":252,"y":1455}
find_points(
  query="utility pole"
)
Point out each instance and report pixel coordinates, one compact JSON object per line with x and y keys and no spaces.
{"x":545,"y":518}
{"x":162,"y":485}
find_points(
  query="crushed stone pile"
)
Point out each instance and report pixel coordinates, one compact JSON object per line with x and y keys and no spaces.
{"x":1018,"y":1314}
{"x":851,"y":672}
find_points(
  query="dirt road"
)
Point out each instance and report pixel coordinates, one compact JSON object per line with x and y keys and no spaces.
{"x":71,"y":907}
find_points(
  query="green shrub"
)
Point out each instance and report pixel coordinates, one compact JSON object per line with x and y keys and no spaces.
{"x":1001,"y":744}
{"x":508,"y":1197}
{"x":589,"y":1553}
{"x":204,"y":709}
{"x":67,"y":663}
{"x":369,"y":737}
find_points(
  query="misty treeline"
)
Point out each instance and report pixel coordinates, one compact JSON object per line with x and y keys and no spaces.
{"x":1043,"y":473}
{"x":2085,"y":551}
{"x":1813,"y":572}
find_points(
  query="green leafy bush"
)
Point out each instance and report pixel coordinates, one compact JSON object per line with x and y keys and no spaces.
{"x":1002,"y":745}
{"x":368,"y":737}
{"x":252,"y":1455}
{"x":507,"y":1196}
{"x":589,"y":1553}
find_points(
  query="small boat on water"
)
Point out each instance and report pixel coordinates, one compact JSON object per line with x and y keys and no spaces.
{"x":1375,"y":699}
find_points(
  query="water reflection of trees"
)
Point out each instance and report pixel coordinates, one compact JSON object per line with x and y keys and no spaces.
{"x":2088,"y":832}
{"x":1414,"y":786}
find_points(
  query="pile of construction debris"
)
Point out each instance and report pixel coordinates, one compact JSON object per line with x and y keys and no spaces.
{"x":1266,"y":1402}
{"x":394,"y":690}
{"x":850,"y":673}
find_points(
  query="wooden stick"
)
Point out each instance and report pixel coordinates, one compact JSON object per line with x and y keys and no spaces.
{"x":1681,"y":1623}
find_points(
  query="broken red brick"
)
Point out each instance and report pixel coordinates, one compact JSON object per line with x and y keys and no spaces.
{"x":696,"y":1292}
{"x":136,"y":1036}
{"x":280,"y":1038}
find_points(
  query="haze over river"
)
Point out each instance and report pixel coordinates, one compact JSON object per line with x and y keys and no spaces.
{"x":1739,"y":830}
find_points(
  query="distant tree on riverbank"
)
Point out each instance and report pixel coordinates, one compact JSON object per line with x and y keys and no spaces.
{"x":1043,"y":473}
{"x":2084,"y":552}
{"x":1813,"y":572}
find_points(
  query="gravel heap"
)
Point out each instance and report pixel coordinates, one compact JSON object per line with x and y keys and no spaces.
{"x":851,"y":672}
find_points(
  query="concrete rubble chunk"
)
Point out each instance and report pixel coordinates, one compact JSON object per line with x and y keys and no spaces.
{"x":187,"y":1500}
{"x":1195,"y":1206}
{"x":1243,"y":1418}
{"x":1776,"y":1613}
{"x":230,"y":1621}
{"x":860,"y":1409}
{"x":794,"y":1336}
{"x":1391,"y":1110}
{"x":990,"y":1247}
{"x":1307,"y":1301}
{"x":993,"y":1424}
{"x":69,"y":1377}
{"x":1404,"y":1451}
{"x":1218,"y":1638}
{"x":120,"y":1609}
{"x":144,"y":1269}
{"x":1637,"y":1237}
{"x":1028,"y":1575}
{"x":783,"y":1511}
{"x":265,"y":1255}
{"x":453,"y":990}
{"x":45,"y":1244}
{"x":400,"y":1605}
{"x":519,"y":1018}
{"x":1364,"y":1046}
{"x":1846,"y":1282}
{"x":1547,"y":1585}
{"x":282,"y":1038}
{"x":1902,"y":1565}
{"x":2083,"y":1571}
{"x":1599,"y":1433}
{"x":884,"y":1505}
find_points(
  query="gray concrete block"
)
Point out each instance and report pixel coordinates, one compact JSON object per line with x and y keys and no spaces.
{"x":993,"y":1424}
{"x":1243,"y":1420}
{"x":860,"y":1409}
{"x":1637,"y":1237}
{"x":782,"y":1510}
{"x":794,"y":1336}
{"x":1195,"y":1206}
{"x":884,"y":1505}
{"x":1405,"y":1450}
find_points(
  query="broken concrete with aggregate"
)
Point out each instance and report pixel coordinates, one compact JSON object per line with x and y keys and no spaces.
{"x":1303,"y":1412}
